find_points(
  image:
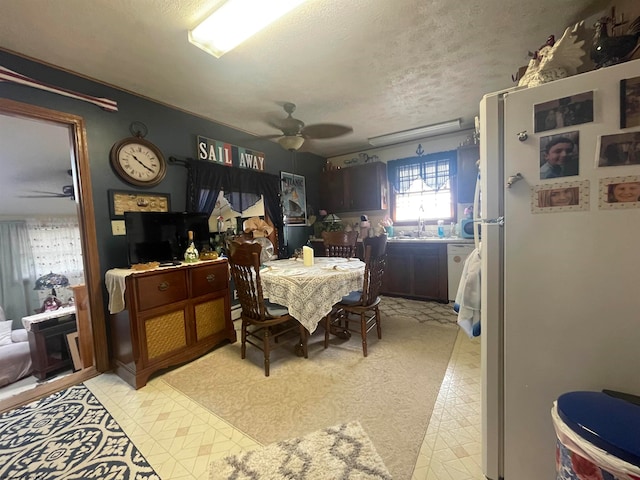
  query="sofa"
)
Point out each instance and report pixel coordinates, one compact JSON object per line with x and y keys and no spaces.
{"x":15,"y":357}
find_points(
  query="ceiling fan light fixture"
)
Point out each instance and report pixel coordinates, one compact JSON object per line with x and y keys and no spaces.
{"x":235,"y":21}
{"x":416,"y":133}
{"x":291,"y":142}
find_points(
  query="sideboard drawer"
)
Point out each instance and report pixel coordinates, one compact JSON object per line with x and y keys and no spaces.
{"x":157,"y":290}
{"x":210,"y":278}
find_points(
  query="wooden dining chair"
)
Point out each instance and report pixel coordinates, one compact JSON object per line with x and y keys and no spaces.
{"x":263,"y":322}
{"x":365,"y":302}
{"x":340,"y":244}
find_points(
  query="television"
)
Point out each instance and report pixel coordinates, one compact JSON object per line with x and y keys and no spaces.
{"x":163,"y":236}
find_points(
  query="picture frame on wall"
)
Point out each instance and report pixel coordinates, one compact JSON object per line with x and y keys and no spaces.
{"x":630,"y":102}
{"x":294,"y":199}
{"x":121,"y":201}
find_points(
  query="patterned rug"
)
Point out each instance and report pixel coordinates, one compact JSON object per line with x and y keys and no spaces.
{"x":68,"y":435}
{"x":391,"y":393}
{"x":341,"y":452}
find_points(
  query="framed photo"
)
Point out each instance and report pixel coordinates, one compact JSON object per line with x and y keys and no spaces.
{"x":123,"y":201}
{"x":617,"y":193}
{"x":563,"y":112}
{"x":619,"y":149}
{"x":630,"y":102}
{"x":560,"y":197}
{"x":294,"y":202}
{"x":74,"y":350}
{"x":560,"y":155}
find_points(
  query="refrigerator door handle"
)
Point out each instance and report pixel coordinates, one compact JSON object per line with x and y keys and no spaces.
{"x":492,"y":221}
{"x":513,"y":179}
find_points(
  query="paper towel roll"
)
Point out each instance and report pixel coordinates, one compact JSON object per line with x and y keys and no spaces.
{"x":307,"y":255}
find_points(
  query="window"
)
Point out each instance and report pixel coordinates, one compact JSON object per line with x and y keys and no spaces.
{"x":422,"y":188}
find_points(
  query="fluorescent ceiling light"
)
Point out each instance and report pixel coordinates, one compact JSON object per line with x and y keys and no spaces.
{"x":416,"y":133}
{"x":235,"y":21}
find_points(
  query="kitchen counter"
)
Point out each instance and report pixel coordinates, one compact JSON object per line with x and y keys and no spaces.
{"x":429,"y":240}
{"x":416,"y":240}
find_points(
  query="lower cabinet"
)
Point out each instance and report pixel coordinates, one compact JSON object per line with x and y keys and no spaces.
{"x":172,"y":316}
{"x":416,"y":270}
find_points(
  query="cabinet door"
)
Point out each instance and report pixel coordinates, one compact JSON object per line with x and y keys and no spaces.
{"x":467,"y":173}
{"x":397,"y":279}
{"x":430,"y":278}
{"x":164,"y":334}
{"x":210,"y":318}
{"x":367,"y":187}
{"x":332,"y":195}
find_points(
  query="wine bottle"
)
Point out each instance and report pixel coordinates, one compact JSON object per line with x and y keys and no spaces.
{"x":191,"y":253}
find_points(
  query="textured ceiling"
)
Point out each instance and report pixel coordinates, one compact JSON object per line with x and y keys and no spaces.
{"x":377,"y":65}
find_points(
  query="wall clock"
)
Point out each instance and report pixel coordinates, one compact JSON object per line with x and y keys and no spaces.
{"x":138,"y":161}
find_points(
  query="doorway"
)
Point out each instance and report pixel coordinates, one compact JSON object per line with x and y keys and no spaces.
{"x":33,"y":156}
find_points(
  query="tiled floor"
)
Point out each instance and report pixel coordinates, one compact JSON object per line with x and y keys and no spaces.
{"x":179,"y":438}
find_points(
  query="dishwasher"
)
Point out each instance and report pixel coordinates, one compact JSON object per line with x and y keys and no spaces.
{"x":457,"y":254}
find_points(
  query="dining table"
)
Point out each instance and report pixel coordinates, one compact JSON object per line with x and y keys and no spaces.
{"x":311,"y":291}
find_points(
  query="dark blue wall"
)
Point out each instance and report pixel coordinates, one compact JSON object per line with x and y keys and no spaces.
{"x":172,"y":130}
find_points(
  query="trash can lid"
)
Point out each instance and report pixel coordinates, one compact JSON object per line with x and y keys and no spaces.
{"x":609,"y":423}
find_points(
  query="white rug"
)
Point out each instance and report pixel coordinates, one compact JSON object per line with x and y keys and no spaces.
{"x":343,"y":452}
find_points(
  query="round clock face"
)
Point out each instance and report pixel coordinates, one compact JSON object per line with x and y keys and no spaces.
{"x":138,"y":162}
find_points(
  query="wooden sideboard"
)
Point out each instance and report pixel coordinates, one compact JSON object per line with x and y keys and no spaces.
{"x":172,"y":316}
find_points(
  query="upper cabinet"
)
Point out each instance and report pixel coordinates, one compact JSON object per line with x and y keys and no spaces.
{"x":467,"y":172}
{"x":354,"y":189}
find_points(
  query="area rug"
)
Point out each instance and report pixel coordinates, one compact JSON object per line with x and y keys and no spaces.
{"x":391,"y":393}
{"x":68,"y":435}
{"x":340,"y":452}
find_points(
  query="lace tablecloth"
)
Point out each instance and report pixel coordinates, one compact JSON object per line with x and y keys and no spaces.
{"x":310,"y":292}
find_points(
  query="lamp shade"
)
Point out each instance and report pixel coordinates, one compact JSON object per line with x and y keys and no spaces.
{"x":332,"y":218}
{"x":291,"y":142}
{"x":51,"y":280}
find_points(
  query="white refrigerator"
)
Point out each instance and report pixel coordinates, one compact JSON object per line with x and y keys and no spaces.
{"x":560,"y":285}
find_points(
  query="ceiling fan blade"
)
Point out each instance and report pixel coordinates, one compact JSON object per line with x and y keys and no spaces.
{"x":325,"y":130}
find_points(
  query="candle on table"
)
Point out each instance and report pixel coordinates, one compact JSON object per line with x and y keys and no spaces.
{"x":307,"y":255}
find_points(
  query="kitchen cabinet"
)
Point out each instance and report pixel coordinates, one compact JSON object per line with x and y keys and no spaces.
{"x":172,"y":316}
{"x":467,"y":172}
{"x":416,"y":270}
{"x":355,"y":189}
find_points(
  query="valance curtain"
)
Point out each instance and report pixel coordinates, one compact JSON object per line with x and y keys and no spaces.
{"x":17,"y":271}
{"x":206,"y":180}
{"x":434,"y":169}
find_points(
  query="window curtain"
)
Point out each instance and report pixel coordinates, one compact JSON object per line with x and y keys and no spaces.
{"x":206,"y":179}
{"x":434,"y":169}
{"x":17,"y":272}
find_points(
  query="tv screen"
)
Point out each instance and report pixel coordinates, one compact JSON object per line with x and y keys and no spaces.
{"x":162,"y":236}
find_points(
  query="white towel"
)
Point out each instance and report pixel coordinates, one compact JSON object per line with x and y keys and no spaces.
{"x":115,"y":283}
{"x":468,"y":297}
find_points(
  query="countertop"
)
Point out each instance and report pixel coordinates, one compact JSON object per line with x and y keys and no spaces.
{"x":430,"y":240}
{"x":457,"y":240}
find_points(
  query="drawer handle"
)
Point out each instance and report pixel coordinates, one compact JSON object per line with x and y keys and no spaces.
{"x":163,"y":286}
{"x":211,"y":278}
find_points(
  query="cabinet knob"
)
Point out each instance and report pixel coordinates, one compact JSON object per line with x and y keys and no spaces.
{"x":163,"y":286}
{"x":211,"y":278}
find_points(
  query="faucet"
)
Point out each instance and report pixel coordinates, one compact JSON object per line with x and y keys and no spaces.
{"x":420,"y":221}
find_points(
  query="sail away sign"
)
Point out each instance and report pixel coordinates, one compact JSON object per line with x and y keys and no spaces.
{"x":229,"y":155}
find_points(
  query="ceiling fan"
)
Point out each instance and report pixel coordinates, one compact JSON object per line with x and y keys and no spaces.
{"x":67,"y":192}
{"x":295,"y":132}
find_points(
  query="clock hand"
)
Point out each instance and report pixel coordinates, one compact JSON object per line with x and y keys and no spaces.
{"x":136,"y":159}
